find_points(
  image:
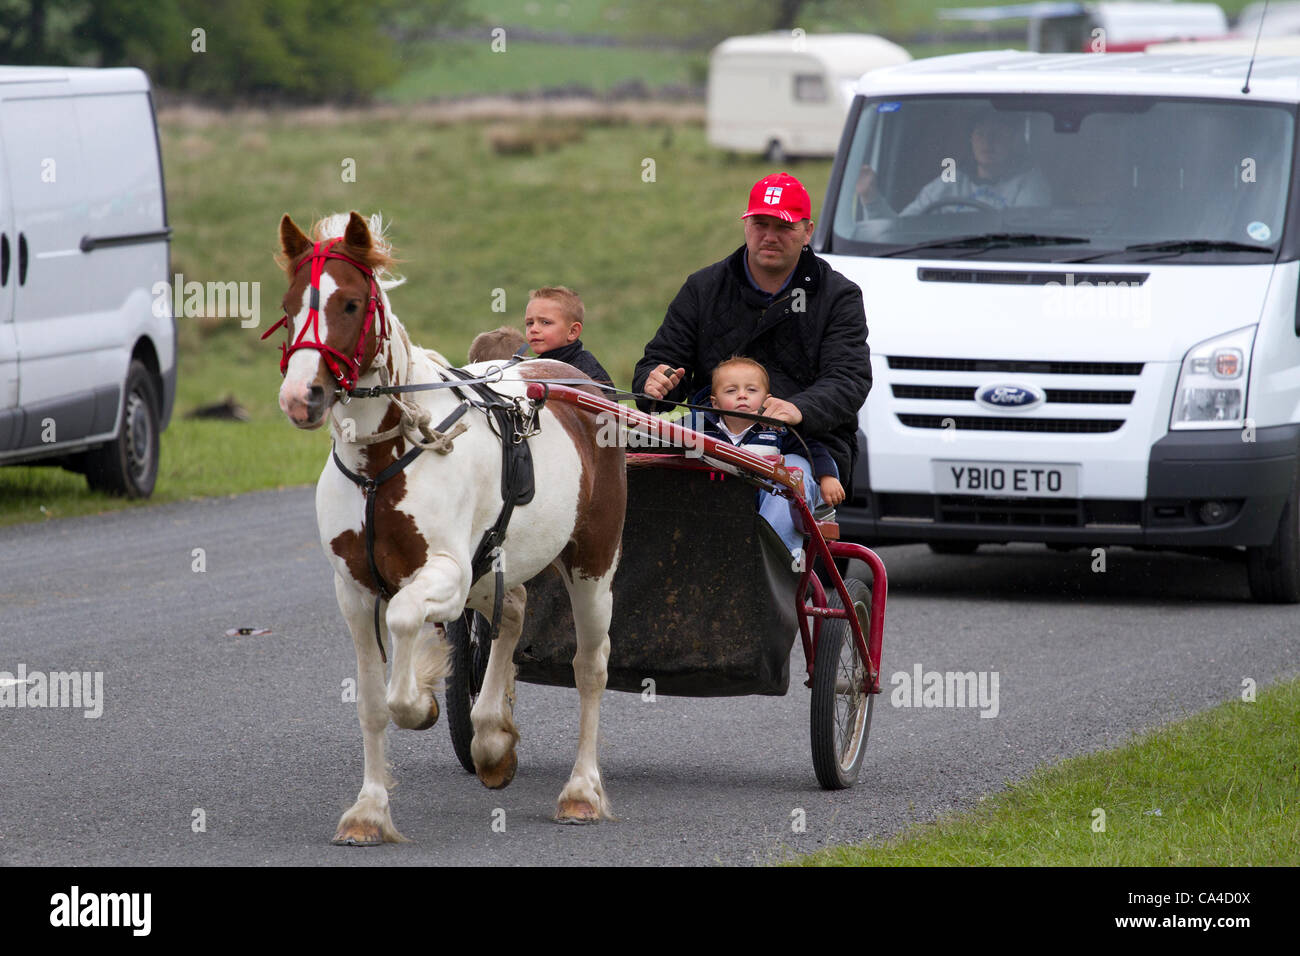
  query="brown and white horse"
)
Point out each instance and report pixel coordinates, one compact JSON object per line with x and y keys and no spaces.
{"x":429,"y":518}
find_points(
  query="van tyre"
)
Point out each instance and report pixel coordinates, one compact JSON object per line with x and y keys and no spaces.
{"x":775,"y":153}
{"x":128,"y":465}
{"x":1274,"y":570}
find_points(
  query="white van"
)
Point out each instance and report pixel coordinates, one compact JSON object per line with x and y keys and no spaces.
{"x":783,"y":94}
{"x":1080,"y":275}
{"x":1067,"y":27}
{"x":87,"y":357}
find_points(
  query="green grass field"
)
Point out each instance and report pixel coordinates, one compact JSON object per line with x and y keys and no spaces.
{"x":466,"y":222}
{"x":1219,"y":789}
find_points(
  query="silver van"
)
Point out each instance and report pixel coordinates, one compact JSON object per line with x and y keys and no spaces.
{"x":87,"y":349}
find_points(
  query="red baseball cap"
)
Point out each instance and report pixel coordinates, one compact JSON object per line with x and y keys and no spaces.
{"x":780,"y":195}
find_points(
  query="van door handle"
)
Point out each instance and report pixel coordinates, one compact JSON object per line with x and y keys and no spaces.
{"x":4,"y":259}
{"x":22,"y":259}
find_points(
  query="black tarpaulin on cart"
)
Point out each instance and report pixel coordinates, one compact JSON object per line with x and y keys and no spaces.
{"x":703,"y":597}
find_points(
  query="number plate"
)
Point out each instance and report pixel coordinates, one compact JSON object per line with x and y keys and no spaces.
{"x":1006,"y":479}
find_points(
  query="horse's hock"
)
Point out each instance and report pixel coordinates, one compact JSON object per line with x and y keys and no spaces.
{"x":704,"y":608}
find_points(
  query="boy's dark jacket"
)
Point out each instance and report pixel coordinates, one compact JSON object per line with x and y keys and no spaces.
{"x":822,"y":462}
{"x":577,"y":356}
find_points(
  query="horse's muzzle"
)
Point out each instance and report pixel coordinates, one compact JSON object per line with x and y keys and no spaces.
{"x":307,"y":408}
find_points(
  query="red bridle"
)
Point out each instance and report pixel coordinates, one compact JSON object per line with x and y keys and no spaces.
{"x":344,"y":369}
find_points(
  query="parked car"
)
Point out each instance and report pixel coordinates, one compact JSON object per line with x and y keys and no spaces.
{"x":87,"y":344}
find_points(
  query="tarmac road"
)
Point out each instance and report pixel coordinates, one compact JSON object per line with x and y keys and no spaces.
{"x":250,"y":734}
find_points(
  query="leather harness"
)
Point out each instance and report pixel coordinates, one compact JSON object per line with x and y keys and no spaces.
{"x":513,"y":426}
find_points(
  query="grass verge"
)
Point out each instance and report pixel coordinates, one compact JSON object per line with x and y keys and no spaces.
{"x":1221,"y":788}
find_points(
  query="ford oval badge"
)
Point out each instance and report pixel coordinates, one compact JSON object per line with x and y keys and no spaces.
{"x":1011,"y":398}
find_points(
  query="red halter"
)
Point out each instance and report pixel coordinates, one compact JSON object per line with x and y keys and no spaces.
{"x":344,"y":369}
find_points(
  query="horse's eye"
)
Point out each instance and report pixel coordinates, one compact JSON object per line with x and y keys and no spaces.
{"x":351,"y":308}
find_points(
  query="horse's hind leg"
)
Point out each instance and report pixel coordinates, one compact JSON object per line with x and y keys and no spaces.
{"x":368,"y":822}
{"x":495,"y":735}
{"x":583,"y":798}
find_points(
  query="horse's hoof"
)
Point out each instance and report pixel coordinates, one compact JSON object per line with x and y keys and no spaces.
{"x":432,"y":718}
{"x":359,"y":834}
{"x":576,"y":811}
{"x":499,"y":777}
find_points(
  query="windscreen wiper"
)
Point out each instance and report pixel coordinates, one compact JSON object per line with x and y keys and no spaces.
{"x":991,"y":240}
{"x":1196,"y":245}
{"x":1179,"y":246}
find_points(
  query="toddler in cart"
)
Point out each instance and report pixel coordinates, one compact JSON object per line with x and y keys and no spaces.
{"x":741,"y":385}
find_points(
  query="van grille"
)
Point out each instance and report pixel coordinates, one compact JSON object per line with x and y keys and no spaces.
{"x":965,"y":393}
{"x":921,"y":364}
{"x":1010,"y":512}
{"x":1014,"y":277}
{"x":995,"y":424}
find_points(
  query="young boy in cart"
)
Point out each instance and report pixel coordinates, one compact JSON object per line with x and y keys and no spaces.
{"x":741,"y":385}
{"x":553,"y":324}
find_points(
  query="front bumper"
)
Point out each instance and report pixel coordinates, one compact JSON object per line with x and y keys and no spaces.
{"x":1251,"y":479}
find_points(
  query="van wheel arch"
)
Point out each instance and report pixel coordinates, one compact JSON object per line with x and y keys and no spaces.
{"x":1274,"y":569}
{"x":128,"y":465}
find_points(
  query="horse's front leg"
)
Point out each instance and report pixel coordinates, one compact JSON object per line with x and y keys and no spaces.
{"x":420,"y":652}
{"x":583,"y":798}
{"x":368,"y":821}
{"x":495,"y":734}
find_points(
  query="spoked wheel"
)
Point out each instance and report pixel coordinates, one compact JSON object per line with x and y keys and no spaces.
{"x":470,"y":647}
{"x":841,"y":709}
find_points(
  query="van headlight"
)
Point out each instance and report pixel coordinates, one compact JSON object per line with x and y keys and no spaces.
{"x":1211,"y":389}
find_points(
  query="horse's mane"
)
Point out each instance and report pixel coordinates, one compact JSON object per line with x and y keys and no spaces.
{"x":378,"y":257}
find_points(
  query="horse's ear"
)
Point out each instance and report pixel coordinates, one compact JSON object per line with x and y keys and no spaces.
{"x":357,"y":234}
{"x":293,"y":242}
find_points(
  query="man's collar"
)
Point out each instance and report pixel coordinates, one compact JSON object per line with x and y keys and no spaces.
{"x":755,"y":286}
{"x":806,"y":274}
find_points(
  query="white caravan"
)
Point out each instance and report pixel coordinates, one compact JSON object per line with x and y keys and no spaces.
{"x":1080,"y":275}
{"x":783,"y":94}
{"x":87,"y":347}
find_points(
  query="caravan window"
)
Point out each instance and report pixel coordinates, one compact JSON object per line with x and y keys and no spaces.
{"x":1110,"y":171}
{"x":809,"y":88}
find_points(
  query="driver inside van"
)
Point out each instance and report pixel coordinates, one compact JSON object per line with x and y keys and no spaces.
{"x":1001,"y":176}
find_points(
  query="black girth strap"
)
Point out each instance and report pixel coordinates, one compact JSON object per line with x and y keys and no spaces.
{"x":370,"y":486}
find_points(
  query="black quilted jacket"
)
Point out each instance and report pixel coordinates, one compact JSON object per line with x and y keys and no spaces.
{"x":816,"y":358}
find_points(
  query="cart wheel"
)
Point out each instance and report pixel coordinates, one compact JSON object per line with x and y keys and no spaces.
{"x":841,"y":710}
{"x":470,"y":647}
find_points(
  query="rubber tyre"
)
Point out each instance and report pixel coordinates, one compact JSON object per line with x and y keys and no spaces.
{"x":841,"y":722}
{"x":1274,"y":570}
{"x":468,"y":637}
{"x":775,"y":154}
{"x":954,"y":547}
{"x":128,"y":465}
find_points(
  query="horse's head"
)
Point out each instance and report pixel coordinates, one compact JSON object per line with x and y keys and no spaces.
{"x":334,"y":310}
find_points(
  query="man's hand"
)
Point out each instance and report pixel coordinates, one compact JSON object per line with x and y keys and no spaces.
{"x":663,"y":380}
{"x":866,"y":185}
{"x":781,"y":410}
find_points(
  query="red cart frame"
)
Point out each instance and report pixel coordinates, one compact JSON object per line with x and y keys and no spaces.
{"x":774,"y":476}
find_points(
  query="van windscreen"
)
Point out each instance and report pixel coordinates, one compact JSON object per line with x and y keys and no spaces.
{"x":1065,"y":178}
